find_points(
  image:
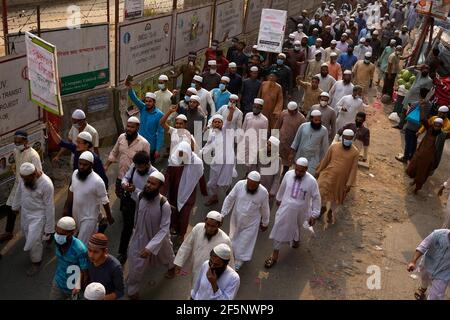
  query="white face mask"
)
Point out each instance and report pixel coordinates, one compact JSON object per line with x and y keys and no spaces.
{"x":212,"y":71}
{"x":323,"y":103}
{"x":20,"y":147}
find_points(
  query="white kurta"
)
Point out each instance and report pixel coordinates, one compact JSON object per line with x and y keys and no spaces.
{"x":300,"y":200}
{"x":37,"y":214}
{"x":20,"y":157}
{"x":255,"y":127}
{"x":228,"y":284}
{"x":352,"y":107}
{"x":196,"y":249}
{"x":338,"y":91}
{"x":326,"y":83}
{"x":236,"y":122}
{"x":249,"y":211}
{"x":206,"y":99}
{"x":88,"y":196}
{"x":177,"y":136}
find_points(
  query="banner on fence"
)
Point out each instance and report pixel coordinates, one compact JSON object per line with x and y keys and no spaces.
{"x":16,"y":108}
{"x":144,"y":45}
{"x":253,"y":14}
{"x":83,"y":62}
{"x":436,"y":8}
{"x":192,"y":31}
{"x":43,"y":74}
{"x":133,"y":9}
{"x":271,"y":30}
{"x":229,"y":19}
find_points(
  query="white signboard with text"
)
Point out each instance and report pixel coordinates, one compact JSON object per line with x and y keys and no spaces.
{"x":133,"y":9}
{"x":271,"y":30}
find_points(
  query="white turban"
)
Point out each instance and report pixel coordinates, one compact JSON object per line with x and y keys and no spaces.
{"x":217,"y":116}
{"x":95,"y":291}
{"x":223,"y":251}
{"x":212,"y":63}
{"x":234,"y":97}
{"x":316,"y":113}
{"x":254,"y":176}
{"x":282,"y":56}
{"x":198,"y":78}
{"x":274,"y":141}
{"x":86,"y":136}
{"x":225,"y":78}
{"x":182,"y":117}
{"x":158,"y":175}
{"x":192,"y":90}
{"x":78,"y":115}
{"x":438,"y":120}
{"x":347,"y":72}
{"x":443,"y":109}
{"x":232,"y":65}
{"x":150,"y":95}
{"x":333,"y":54}
{"x":324,"y":65}
{"x":302,"y":162}
{"x":27,"y":169}
{"x":368,"y":55}
{"x":258,"y":101}
{"x":66,"y":223}
{"x":88,"y":156}
{"x":195,"y":98}
{"x":348,"y":132}
{"x":133,"y":119}
{"x":333,"y":42}
{"x":292,"y":105}
{"x":163,"y":77}
{"x":325,"y":94}
{"x":215,"y":216}
{"x":254,"y":69}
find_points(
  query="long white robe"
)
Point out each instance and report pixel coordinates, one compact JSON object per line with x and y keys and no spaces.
{"x":325,"y":84}
{"x":338,"y":91}
{"x":352,"y":105}
{"x":300,"y":200}
{"x":151,"y":232}
{"x":311,"y":144}
{"x":255,"y":127}
{"x":88,"y":196}
{"x":20,"y":157}
{"x":248,"y":212}
{"x":37,"y":214}
{"x":228,"y":284}
{"x":196,"y":249}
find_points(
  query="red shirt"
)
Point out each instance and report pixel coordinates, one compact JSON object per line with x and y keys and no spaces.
{"x":222,"y":66}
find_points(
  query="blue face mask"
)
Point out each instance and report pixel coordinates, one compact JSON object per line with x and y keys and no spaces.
{"x":193,"y":85}
{"x":280,"y":62}
{"x":222,"y":87}
{"x":187,"y":98}
{"x":60,"y":239}
{"x":347,"y":143}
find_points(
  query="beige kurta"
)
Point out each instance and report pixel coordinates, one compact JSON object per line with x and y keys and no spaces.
{"x":288,"y":126}
{"x":311,"y":96}
{"x":363,"y":74}
{"x":313,"y":68}
{"x":336,"y":171}
{"x":272,"y":94}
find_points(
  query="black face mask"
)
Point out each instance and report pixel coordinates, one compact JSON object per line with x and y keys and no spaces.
{"x":149,"y":195}
{"x":316,"y":126}
{"x":82,"y":175}
{"x":131,"y":137}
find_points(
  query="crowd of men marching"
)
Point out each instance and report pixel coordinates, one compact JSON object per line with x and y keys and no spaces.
{"x":293,"y":121}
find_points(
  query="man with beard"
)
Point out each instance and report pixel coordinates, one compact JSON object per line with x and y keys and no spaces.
{"x":299,"y":202}
{"x":392,"y":70}
{"x":231,"y":106}
{"x":188,"y":71}
{"x":70,"y":252}
{"x":314,"y":66}
{"x":428,"y":156}
{"x":311,"y":141}
{"x":133,"y":182}
{"x":284,"y":75}
{"x":312,"y":93}
{"x":23,"y":152}
{"x":198,"y":244}
{"x":295,"y":59}
{"x":217,"y":280}
{"x":328,"y":115}
{"x":347,"y":59}
{"x":375,"y":43}
{"x":288,"y":124}
{"x":211,"y":78}
{"x":249,"y":203}
{"x":362,"y":135}
{"x":206,"y":102}
{"x":34,"y":200}
{"x":348,"y":107}
{"x":250,"y":89}
{"x":326,"y":37}
{"x":150,"y":243}
{"x":270,"y":166}
{"x":326,"y":81}
{"x":298,"y":35}
{"x":341,"y":88}
{"x":191,"y":109}
{"x":235,"y":85}
{"x":182,"y":178}
{"x":127,"y":145}
{"x":86,"y":193}
{"x":330,"y":50}
{"x":336,"y":173}
{"x":363,"y":73}
{"x":443,"y":114}
{"x":304,"y":48}
{"x":272,"y":94}
{"x":255,"y":127}
{"x":334,"y":68}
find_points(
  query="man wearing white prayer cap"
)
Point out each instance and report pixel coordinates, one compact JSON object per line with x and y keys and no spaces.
{"x":270,"y":166}
{"x":206,"y":102}
{"x":248,"y":203}
{"x":216,"y":280}
{"x":163,"y":101}
{"x":328,"y":116}
{"x":298,"y":199}
{"x":34,"y":200}
{"x":363,"y":71}
{"x":336,"y":174}
{"x":79,"y":124}
{"x":70,"y":251}
{"x":197,"y":245}
{"x":211,"y":78}
{"x":311,"y":141}
{"x":94,"y":291}
{"x":255,"y":129}
{"x":150,"y":243}
{"x":87,"y":194}
{"x":221,"y":95}
{"x":250,"y":89}
{"x":326,"y":81}
{"x":235,"y":84}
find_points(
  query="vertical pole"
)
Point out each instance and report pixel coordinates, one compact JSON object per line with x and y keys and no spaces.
{"x":174,"y":5}
{"x":38,"y":18}
{"x":116,"y":35}
{"x":107,"y":11}
{"x":5,"y":25}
